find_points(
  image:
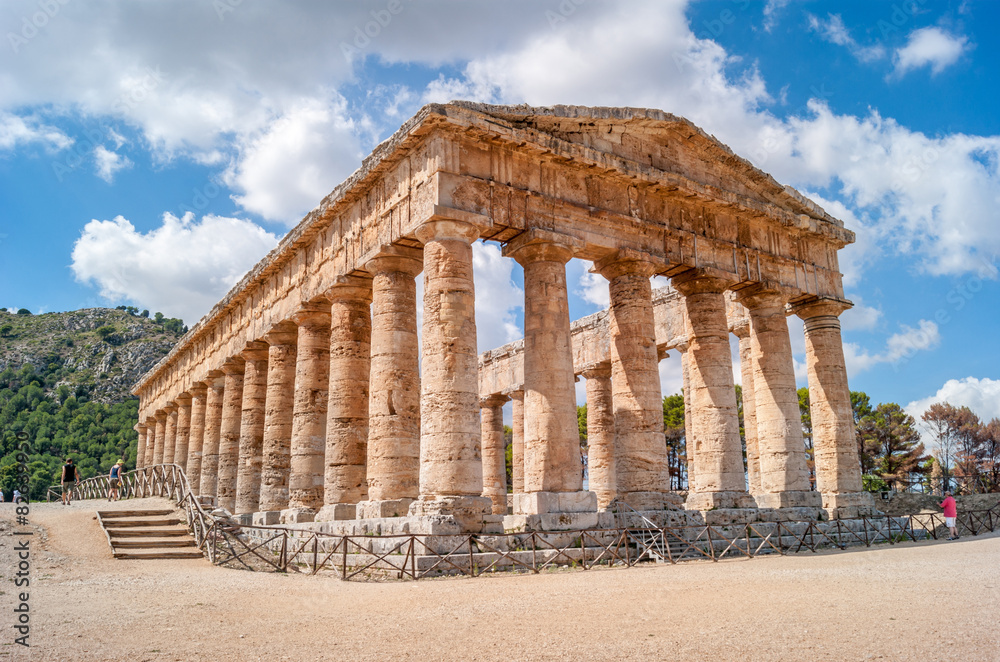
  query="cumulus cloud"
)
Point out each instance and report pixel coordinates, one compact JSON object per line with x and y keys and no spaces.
{"x":771,"y":11}
{"x":497,"y":297}
{"x":109,"y":162}
{"x":593,"y":288}
{"x":834,"y":31}
{"x":900,"y":346}
{"x":16,"y":131}
{"x":860,"y":317}
{"x":931,"y":47}
{"x":982,"y":396}
{"x":181,"y":268}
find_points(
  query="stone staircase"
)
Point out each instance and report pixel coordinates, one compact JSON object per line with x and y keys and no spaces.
{"x":147,"y":534}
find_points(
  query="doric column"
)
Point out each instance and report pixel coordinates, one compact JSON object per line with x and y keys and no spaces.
{"x":784,"y":475}
{"x":552,"y":460}
{"x":517,"y":440}
{"x":251,"y":450}
{"x":715,"y":425}
{"x":170,"y":433}
{"x":643,"y":476}
{"x":213,"y":428}
{"x":451,"y":464}
{"x":140,"y":445}
{"x":838,"y":472}
{"x":600,"y":434}
{"x":345,"y":481}
{"x":279,"y":406}
{"x":742,"y":332}
{"x":494,"y":456}
{"x":182,"y":436}
{"x":196,"y":437}
{"x":394,"y":395}
{"x":312,"y":383}
{"x":150,"y":441}
{"x":161,"y":427}
{"x":229,"y":434}
{"x":688,"y":444}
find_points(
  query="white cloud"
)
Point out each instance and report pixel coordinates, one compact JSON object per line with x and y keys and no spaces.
{"x":284,"y":171}
{"x":834,"y":31}
{"x":771,"y":10}
{"x":929,"y":46}
{"x":497,"y":297}
{"x":860,"y":317}
{"x":181,"y":268}
{"x":900,"y":346}
{"x":108,"y":163}
{"x":593,"y":288}
{"x":982,"y":396}
{"x":15,"y":131}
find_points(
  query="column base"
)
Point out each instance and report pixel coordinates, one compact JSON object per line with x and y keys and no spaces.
{"x":540,"y":503}
{"x":297,"y":515}
{"x":336,"y":511}
{"x":470,"y":514}
{"x":266,"y":518}
{"x":377,"y":509}
{"x":716,"y":500}
{"x":559,"y":522}
{"x":848,"y":505}
{"x":789,"y":499}
{"x":650,"y":501}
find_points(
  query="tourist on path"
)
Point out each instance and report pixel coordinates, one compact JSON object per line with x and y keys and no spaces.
{"x":1,"y":496}
{"x":114,"y":480}
{"x":950,"y":513}
{"x":16,"y":497}
{"x":70,"y":474}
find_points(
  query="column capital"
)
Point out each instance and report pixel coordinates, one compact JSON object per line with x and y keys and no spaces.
{"x":351,"y":288}
{"x":515,"y":394}
{"x":256,"y":350}
{"x":761,"y":296}
{"x":535,"y":245}
{"x":696,"y":281}
{"x":820,"y":307}
{"x":282,"y":333}
{"x":629,"y":261}
{"x":171,"y":408}
{"x":140,"y":428}
{"x":160,"y":415}
{"x":313,"y":314}
{"x":494,"y":400}
{"x":198,"y":389}
{"x":234,"y":365}
{"x":390,"y":258}
{"x":184,"y":398}
{"x":597,"y":371}
{"x":440,"y":228}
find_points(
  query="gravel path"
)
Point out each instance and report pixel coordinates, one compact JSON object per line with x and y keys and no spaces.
{"x":927,"y":601}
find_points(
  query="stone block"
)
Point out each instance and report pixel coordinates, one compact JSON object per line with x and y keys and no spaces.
{"x":267,"y":518}
{"x":789,"y":499}
{"x":296,"y":515}
{"x":538,"y":503}
{"x":336,"y":511}
{"x":386,"y":508}
{"x":715,"y":500}
{"x":652,"y":501}
{"x":243,"y":519}
{"x":550,"y":522}
{"x":727,"y":516}
{"x":792,"y":514}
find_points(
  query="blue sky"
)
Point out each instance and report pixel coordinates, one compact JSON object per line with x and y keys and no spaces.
{"x":151,"y":153}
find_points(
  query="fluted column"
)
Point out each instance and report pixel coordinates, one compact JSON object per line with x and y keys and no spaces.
{"x":251,"y":450}
{"x":158,"y":437}
{"x":784,"y":475}
{"x":150,"y":441}
{"x":517,"y":441}
{"x":451,"y":464}
{"x":279,"y":408}
{"x":196,"y":437}
{"x":394,"y":395}
{"x":345,"y":480}
{"x":838,"y":471}
{"x":715,"y":425}
{"x":213,"y":428}
{"x":312,"y":383}
{"x":494,"y":456}
{"x":643,"y":476}
{"x":170,"y":433}
{"x":686,"y":388}
{"x":140,"y":445}
{"x":182,"y":436}
{"x":552,"y":461}
{"x":742,"y":332}
{"x":229,"y":434}
{"x":600,"y":434}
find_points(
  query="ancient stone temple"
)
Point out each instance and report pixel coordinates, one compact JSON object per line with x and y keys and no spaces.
{"x":307,"y":394}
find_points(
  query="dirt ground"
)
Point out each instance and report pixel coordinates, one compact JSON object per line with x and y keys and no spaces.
{"x":926,"y":601}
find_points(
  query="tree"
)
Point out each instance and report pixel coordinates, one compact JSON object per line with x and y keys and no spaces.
{"x":104,"y":332}
{"x":23,"y":311}
{"x":144,"y":313}
{"x":158,"y":318}
{"x":861,"y":407}
{"x":5,"y":330}
{"x":960,"y":437}
{"x":805,"y":414}
{"x":674,"y":431}
{"x":890,"y":436}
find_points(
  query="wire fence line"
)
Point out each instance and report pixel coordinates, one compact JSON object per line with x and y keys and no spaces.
{"x":415,"y":556}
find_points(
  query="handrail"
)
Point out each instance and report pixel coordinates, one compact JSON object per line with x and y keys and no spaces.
{"x":414,"y":556}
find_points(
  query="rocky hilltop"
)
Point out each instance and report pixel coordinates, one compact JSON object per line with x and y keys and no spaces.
{"x":101,"y":352}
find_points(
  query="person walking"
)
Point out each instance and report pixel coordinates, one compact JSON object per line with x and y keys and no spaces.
{"x":70,"y":474}
{"x":114,"y":480}
{"x":16,"y":497}
{"x":950,"y":514}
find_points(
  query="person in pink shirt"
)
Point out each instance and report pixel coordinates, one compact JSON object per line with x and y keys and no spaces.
{"x":950,"y":513}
